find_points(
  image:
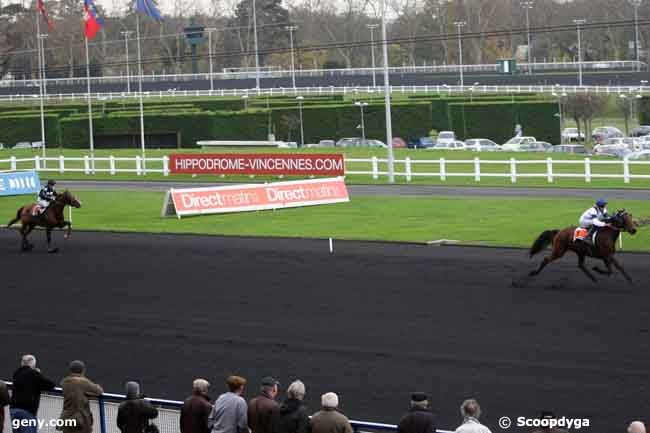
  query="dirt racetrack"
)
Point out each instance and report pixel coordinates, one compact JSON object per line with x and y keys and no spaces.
{"x":372,"y":322}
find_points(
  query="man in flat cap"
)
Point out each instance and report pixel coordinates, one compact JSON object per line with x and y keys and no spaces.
{"x":263,"y":409}
{"x":419,"y":418}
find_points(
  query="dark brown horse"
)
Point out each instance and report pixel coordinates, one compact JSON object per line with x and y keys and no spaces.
{"x":50,"y":219}
{"x":605,"y":248}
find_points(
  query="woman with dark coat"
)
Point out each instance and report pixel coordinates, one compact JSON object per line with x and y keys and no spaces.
{"x":293,"y":417}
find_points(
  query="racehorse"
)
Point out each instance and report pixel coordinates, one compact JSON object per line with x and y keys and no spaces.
{"x":604,"y":249}
{"x":50,"y":219}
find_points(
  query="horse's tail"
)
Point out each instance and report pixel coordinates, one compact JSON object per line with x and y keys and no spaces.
{"x":543,"y":241}
{"x":13,"y":221}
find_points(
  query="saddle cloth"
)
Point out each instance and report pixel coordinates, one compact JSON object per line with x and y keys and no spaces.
{"x":579,"y":234}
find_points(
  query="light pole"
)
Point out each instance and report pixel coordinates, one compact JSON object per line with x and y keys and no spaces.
{"x":210,"y":30}
{"x":257,"y":56}
{"x":636,"y":4}
{"x":460,"y":25}
{"x":302,"y":130}
{"x":293,"y":67}
{"x":560,"y":114}
{"x":361,"y":105}
{"x":126,"y":35}
{"x":528,"y":5}
{"x":372,"y":28}
{"x":41,"y":61}
{"x":578,"y":23}
{"x":389,"y":125}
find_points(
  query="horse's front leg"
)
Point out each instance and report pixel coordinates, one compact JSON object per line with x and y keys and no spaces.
{"x":65,"y":224}
{"x":608,"y":264}
{"x":581,"y":265}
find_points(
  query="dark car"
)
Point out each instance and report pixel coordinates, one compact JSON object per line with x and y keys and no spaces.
{"x":421,"y":143}
{"x":640,"y":131}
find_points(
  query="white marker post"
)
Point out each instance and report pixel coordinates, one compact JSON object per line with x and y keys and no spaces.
{"x":331,"y":246}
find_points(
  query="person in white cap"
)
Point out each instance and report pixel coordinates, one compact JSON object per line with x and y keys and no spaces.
{"x":329,"y":419}
{"x":636,"y":427}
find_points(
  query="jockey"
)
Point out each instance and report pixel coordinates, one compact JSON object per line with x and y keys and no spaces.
{"x":46,"y":195}
{"x":594,"y":217}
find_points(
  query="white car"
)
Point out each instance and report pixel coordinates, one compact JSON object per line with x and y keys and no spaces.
{"x":535,"y":146}
{"x":610,"y":150}
{"x":514,"y":143}
{"x":642,"y":155}
{"x":576,"y":149}
{"x":452,"y":145}
{"x":446,"y":137}
{"x":481,"y":145}
{"x":622,"y":142}
{"x":571,"y":134}
{"x":23,"y":145}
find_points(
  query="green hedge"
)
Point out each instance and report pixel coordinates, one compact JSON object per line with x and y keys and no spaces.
{"x":27,"y":127}
{"x":497,"y":120}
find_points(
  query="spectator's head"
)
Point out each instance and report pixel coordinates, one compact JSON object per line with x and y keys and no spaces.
{"x":296,"y":390}
{"x":132,"y":390}
{"x":636,"y":427}
{"x":419,"y":400}
{"x":470,"y":409}
{"x":329,"y":401}
{"x":200,"y":387}
{"x":28,"y":361}
{"x":236,"y":384}
{"x":77,"y":367}
{"x":269,"y":387}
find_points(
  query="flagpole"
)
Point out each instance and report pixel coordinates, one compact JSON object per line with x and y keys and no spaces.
{"x":137,"y":27}
{"x":40,"y":81}
{"x":90,"y":112}
{"x":43,"y":66}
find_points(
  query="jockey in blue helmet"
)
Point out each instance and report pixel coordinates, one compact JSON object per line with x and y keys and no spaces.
{"x":595,"y":217}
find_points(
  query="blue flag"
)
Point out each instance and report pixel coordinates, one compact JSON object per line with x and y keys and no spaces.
{"x":148,"y":8}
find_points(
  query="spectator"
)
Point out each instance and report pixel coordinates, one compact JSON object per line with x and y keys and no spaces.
{"x":419,"y":419}
{"x":329,"y":420}
{"x":26,"y":394}
{"x":134,"y":414}
{"x":636,"y":427}
{"x":549,"y":415}
{"x":471,"y":412}
{"x":196,"y":409}
{"x":76,"y":390}
{"x":229,"y":414}
{"x":4,"y":400}
{"x":263,"y":409}
{"x":293,"y":416}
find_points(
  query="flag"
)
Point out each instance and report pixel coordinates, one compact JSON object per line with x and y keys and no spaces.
{"x":92,"y":20}
{"x":147,"y":7}
{"x":41,"y":8}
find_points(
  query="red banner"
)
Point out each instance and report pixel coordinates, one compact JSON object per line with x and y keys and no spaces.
{"x":258,"y":164}
{"x":242,"y":198}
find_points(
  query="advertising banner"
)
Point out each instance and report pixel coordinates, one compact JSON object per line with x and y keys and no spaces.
{"x":20,"y":182}
{"x":258,"y":164}
{"x":242,"y":198}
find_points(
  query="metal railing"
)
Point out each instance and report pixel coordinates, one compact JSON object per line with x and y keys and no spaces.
{"x":428,"y":69}
{"x":105,"y":408}
{"x":442,"y":168}
{"x":361,"y":91}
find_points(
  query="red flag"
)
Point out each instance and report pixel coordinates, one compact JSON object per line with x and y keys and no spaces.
{"x":92,"y":19}
{"x":41,"y":8}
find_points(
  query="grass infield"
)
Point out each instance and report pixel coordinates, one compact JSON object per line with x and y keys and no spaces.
{"x":494,"y":221}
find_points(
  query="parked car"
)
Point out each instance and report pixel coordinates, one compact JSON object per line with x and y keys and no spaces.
{"x":398,"y":142}
{"x":641,"y":155}
{"x":326,"y":143}
{"x":23,"y":145}
{"x":611,"y":150}
{"x":644,"y":145}
{"x":535,"y":146}
{"x":570,"y":135}
{"x":514,"y":143}
{"x":623,"y":142}
{"x":445,"y":137}
{"x":359,"y":142}
{"x":421,"y":143}
{"x":600,"y":134}
{"x":577,"y":149}
{"x":451,"y":145}
{"x":640,"y":131}
{"x":481,"y":145}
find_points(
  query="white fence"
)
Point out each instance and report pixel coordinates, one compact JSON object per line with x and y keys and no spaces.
{"x":407,"y":168}
{"x":331,"y":90}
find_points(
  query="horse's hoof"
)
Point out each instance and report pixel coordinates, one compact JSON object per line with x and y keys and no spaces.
{"x":53,"y":250}
{"x":66,"y":236}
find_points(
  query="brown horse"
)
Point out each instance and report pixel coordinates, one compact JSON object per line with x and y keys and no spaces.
{"x":50,"y":219}
{"x":604,"y":249}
